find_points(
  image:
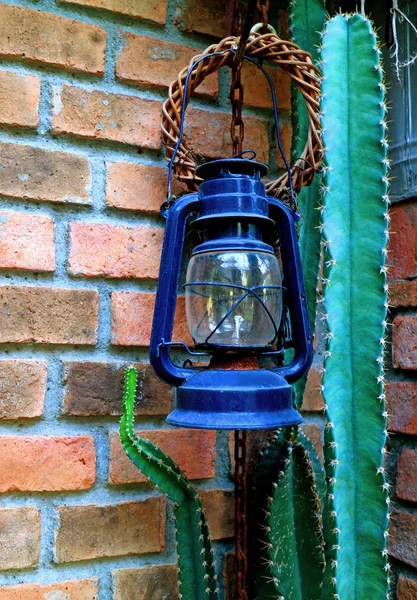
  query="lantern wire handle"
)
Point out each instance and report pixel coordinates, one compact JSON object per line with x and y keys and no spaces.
{"x":183,"y":107}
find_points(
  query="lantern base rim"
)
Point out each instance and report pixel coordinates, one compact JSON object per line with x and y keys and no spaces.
{"x":234,"y":421}
{"x":235,"y":399}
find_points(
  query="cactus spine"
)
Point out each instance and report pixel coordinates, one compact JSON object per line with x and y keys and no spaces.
{"x":196,"y":572}
{"x":306,"y":19}
{"x":355,"y":226}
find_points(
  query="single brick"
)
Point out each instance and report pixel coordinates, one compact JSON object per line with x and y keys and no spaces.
{"x":256,"y":87}
{"x":26,"y":242}
{"x":30,"y":314}
{"x":402,"y":406}
{"x":404,"y":343}
{"x":153,"y":582}
{"x":105,"y":116}
{"x":209,"y":133}
{"x":19,"y":537}
{"x":407,"y":475}
{"x":219,"y":506}
{"x":96,"y":389}
{"x":102,"y":249}
{"x":313,"y":397}
{"x":43,"y":37}
{"x":194,"y":450}
{"x":402,"y":293}
{"x":22,"y":388}
{"x":94,"y":531}
{"x":19,"y":99}
{"x":138,"y":187}
{"x":402,"y":537}
{"x":149,"y":10}
{"x":406,"y":589}
{"x":132,"y":314}
{"x":83,"y":589}
{"x":403,"y":241}
{"x":150,"y":62}
{"x":203,"y":16}
{"x":36,"y":174}
{"x":35,"y":463}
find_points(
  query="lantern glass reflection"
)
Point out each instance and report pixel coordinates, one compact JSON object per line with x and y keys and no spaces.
{"x":234,"y":298}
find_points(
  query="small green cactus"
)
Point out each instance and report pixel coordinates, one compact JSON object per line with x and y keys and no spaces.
{"x":196,"y":571}
{"x":293,"y":556}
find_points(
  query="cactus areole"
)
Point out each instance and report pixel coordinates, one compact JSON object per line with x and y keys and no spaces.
{"x":237,"y":302}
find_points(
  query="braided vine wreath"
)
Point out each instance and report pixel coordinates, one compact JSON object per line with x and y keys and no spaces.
{"x":288,"y":56}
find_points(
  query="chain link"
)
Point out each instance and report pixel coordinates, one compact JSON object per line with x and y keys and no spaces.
{"x":264,"y":10}
{"x":241,"y":561}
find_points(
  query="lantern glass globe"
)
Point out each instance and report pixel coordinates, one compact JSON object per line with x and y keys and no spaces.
{"x":234,"y":297}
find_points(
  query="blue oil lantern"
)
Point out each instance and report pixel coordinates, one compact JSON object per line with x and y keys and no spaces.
{"x":238,"y":302}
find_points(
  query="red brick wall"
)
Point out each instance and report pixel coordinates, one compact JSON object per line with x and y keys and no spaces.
{"x":81,"y":181}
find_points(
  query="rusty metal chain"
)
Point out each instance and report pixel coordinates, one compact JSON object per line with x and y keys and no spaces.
{"x":237,"y":128}
{"x":241,"y":529}
{"x":263,"y":10}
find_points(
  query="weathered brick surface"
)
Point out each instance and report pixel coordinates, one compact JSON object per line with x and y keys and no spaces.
{"x":402,"y":406}
{"x":407,"y":475}
{"x":403,"y":535}
{"x":313,"y":398}
{"x":192,"y":449}
{"x":403,"y":241}
{"x":46,"y":38}
{"x":104,"y":116}
{"x":22,"y":388}
{"x":406,"y":589}
{"x":37,"y":174}
{"x":137,"y":187}
{"x":26,"y":242}
{"x":256,"y":87}
{"x":48,"y":315}
{"x":149,"y":62}
{"x":95,"y":389}
{"x":19,"y":537}
{"x":286,"y":141}
{"x":402,"y":293}
{"x":19,"y":99}
{"x":102,"y":249}
{"x":203,"y":16}
{"x":93,"y":531}
{"x":46,"y":463}
{"x":219,"y":506}
{"x":404,"y":342}
{"x":150,"y":10}
{"x":213,"y":139}
{"x":153,"y":582}
{"x":132,"y":314}
{"x":84,"y":589}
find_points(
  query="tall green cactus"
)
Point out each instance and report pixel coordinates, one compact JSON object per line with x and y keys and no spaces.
{"x":306,"y":19}
{"x":355,"y":302}
{"x":196,"y":572}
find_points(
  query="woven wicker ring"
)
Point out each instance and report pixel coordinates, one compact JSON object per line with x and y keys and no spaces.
{"x":296,"y":62}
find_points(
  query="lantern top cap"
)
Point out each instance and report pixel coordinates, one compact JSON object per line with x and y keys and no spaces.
{"x":232,"y":167}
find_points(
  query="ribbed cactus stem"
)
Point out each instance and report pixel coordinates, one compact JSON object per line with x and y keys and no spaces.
{"x":306,"y":20}
{"x":355,"y":226}
{"x":197,"y":578}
